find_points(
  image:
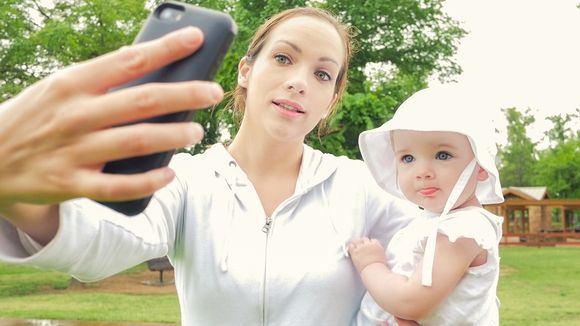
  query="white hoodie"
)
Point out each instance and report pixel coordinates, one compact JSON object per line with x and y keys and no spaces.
{"x":228,"y":271}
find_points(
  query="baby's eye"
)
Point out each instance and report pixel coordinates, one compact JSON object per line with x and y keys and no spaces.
{"x":282,"y":59}
{"x":407,"y":158}
{"x":443,"y":156}
{"x":323,"y":76}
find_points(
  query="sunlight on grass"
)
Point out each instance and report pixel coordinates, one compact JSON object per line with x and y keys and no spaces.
{"x":538,"y":286}
{"x":162,"y":308}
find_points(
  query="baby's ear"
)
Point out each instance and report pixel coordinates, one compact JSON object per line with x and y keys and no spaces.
{"x":482,"y":174}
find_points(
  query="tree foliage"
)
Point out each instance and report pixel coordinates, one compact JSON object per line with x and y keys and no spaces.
{"x":407,"y":41}
{"x":70,"y":31}
{"x":518,"y":157}
{"x":558,"y":167}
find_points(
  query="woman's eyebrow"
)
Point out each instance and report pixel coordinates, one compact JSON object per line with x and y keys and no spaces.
{"x":299,"y":50}
{"x":292,"y":45}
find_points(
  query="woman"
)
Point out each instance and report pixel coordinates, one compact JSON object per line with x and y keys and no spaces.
{"x":257,"y":230}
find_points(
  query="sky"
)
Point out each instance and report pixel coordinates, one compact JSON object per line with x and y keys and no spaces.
{"x":526,"y":53}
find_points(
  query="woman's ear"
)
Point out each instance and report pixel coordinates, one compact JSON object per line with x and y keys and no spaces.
{"x":243,"y":72}
{"x":482,"y":174}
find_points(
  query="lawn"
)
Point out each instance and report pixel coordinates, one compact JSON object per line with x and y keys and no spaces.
{"x":538,"y":286}
{"x":32,"y":293}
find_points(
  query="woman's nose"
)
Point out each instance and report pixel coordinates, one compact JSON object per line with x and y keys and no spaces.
{"x":297,"y":82}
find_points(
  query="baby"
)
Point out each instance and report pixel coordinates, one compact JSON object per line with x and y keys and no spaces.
{"x":443,"y":268}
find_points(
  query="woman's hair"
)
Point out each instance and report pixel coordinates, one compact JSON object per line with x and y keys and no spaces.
{"x":261,"y":35}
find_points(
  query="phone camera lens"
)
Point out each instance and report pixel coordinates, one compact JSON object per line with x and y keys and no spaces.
{"x":170,"y":14}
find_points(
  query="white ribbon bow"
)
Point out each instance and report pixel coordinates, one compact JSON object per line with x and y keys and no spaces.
{"x":429,"y":257}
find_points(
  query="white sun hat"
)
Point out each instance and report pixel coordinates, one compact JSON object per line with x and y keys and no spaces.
{"x":450,"y":108}
{"x":443,"y":108}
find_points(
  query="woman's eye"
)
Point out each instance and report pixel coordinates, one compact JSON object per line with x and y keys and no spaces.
{"x":407,"y":158}
{"x":282,"y":59}
{"x":323,"y":76}
{"x":443,"y":156}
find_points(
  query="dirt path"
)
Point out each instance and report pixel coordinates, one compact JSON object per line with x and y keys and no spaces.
{"x":145,"y":282}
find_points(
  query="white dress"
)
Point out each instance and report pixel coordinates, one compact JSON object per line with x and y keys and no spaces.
{"x":474,"y":300}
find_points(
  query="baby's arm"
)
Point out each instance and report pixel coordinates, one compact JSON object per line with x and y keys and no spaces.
{"x":406,"y":297}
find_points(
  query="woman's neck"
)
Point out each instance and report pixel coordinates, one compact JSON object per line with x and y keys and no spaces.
{"x":266,"y":157}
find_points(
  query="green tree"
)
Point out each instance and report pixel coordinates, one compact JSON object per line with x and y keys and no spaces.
{"x":558,"y":167}
{"x":560,"y":130}
{"x":48,"y":38}
{"x":16,"y":52}
{"x":405,"y":40}
{"x":518,"y":157}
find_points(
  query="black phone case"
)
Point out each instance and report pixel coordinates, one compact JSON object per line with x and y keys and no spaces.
{"x":219,"y":30}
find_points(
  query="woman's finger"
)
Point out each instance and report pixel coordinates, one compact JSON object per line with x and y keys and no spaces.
{"x":120,"y":187}
{"x":133,"y":140}
{"x":146,"y":101}
{"x":113,"y":69}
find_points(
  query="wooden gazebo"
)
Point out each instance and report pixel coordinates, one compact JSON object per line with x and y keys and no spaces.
{"x":532,"y":218}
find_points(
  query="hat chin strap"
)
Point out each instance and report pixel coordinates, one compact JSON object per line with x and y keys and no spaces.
{"x":429,"y":257}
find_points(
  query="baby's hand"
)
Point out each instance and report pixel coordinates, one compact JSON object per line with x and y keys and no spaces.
{"x":365,"y":251}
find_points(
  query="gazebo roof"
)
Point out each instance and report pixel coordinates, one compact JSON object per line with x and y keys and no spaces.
{"x":528,"y":193}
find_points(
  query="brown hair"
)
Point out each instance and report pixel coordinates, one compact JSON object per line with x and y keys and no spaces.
{"x":239,"y":93}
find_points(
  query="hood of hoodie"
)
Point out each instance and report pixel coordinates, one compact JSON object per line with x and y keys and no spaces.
{"x":314,"y":169}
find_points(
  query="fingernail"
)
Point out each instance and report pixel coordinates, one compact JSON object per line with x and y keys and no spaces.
{"x":190,"y":36}
{"x":195,"y":133}
{"x":168,"y":174}
{"x":217,"y":92}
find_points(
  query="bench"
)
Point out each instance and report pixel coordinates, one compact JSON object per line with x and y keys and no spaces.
{"x":160,"y":265}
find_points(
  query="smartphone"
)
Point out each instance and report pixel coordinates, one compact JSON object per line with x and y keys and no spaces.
{"x":219,"y":30}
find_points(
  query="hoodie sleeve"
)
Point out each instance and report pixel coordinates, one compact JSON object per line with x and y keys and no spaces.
{"x":94,"y":242}
{"x":385,"y":213}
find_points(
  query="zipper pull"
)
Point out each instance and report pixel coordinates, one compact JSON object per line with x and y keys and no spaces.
{"x":266,"y":227}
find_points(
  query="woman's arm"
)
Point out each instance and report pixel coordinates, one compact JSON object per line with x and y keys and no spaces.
{"x":55,"y":136}
{"x":406,"y":297}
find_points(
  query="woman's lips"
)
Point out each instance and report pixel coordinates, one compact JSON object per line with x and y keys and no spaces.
{"x":289,"y":105}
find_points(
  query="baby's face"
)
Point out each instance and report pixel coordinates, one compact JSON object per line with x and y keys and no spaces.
{"x":429,"y":164}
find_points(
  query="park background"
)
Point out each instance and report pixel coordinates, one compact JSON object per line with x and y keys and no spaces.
{"x":522,"y":53}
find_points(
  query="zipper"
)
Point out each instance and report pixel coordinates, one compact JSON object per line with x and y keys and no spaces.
{"x":266,"y":230}
{"x":266,"y":227}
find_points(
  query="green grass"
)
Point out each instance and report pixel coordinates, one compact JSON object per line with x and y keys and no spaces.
{"x":22,"y":280}
{"x":93,"y":307}
{"x":23,"y":295}
{"x":538,"y":286}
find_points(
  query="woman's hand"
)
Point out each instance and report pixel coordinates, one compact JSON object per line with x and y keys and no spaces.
{"x":55,"y":136}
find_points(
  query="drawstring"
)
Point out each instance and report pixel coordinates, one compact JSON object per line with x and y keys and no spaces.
{"x":341,"y":242}
{"x":429,"y":256}
{"x":227,"y":235}
{"x":231,"y":209}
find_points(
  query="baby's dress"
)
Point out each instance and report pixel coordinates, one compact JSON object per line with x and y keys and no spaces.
{"x":474,"y":300}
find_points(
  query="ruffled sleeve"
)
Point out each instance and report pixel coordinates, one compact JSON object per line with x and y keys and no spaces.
{"x":476,"y":224}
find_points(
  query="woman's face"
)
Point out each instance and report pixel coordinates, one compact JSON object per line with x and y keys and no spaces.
{"x":291,"y":84}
